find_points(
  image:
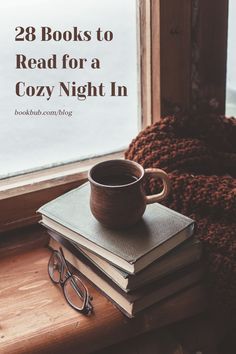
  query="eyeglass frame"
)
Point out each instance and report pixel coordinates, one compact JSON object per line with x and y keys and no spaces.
{"x":65,"y":272}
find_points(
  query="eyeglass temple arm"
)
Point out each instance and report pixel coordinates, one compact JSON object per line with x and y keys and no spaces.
{"x":70,"y":274}
{"x":88,"y":306}
{"x":65,"y":264}
{"x":76,"y":288}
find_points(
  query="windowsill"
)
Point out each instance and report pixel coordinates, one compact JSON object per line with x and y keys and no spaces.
{"x":36,"y":319}
{"x":21,"y":196}
{"x":50,"y":177}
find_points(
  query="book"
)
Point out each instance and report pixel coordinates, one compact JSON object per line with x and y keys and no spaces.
{"x":134,"y":302}
{"x":132,"y":249}
{"x":185,"y":254}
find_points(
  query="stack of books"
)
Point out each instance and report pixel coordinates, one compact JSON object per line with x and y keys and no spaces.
{"x":134,"y":267}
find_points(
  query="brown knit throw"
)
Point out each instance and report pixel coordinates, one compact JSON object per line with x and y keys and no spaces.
{"x":199,"y":154}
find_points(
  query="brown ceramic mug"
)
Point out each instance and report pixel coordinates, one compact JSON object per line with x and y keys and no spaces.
{"x":117,"y":195}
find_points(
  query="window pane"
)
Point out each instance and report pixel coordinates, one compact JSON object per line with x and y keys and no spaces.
{"x":231,"y":67}
{"x":98,"y":125}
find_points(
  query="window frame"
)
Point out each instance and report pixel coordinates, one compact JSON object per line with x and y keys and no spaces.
{"x":22,"y":195}
{"x":166,"y":62}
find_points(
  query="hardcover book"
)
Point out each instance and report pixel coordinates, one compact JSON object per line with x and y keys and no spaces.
{"x":187,"y":253}
{"x":135,"y":301}
{"x":132,"y":249}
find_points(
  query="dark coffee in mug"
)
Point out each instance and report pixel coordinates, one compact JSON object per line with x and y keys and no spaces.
{"x":117,"y":196}
{"x":117,"y":179}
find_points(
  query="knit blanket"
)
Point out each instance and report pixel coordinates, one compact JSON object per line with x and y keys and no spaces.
{"x":199,"y":154}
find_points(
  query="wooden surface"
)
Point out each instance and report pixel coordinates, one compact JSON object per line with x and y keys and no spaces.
{"x":156,"y":68}
{"x":20,"y":210}
{"x":22,"y":195}
{"x":212,"y":41}
{"x":34,"y":317}
{"x":145,"y":62}
{"x":206,"y":333}
{"x":193,"y":53}
{"x":175,"y":53}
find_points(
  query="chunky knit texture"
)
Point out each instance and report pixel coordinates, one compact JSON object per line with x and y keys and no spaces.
{"x":199,"y":154}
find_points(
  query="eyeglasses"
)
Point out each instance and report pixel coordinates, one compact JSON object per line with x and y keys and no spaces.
{"x":75,"y":292}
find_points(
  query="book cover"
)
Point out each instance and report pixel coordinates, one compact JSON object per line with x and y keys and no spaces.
{"x":132,"y":249}
{"x":187,"y":253}
{"x":137,"y":300}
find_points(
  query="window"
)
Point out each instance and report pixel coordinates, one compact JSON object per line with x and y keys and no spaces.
{"x":22,"y":193}
{"x":231,"y":58}
{"x":170,"y":32}
{"x":41,"y":132}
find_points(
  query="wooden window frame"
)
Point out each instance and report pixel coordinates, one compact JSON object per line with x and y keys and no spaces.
{"x":172,"y":77}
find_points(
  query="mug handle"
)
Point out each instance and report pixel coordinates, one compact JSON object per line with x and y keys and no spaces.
{"x":157,"y":173}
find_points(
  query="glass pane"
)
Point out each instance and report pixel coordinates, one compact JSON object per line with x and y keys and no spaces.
{"x":75,"y":292}
{"x":54,"y":267}
{"x":231,"y":59}
{"x":38,"y":132}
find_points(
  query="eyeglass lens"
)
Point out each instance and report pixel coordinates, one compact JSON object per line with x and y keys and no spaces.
{"x":74,"y":290}
{"x":55,"y":267}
